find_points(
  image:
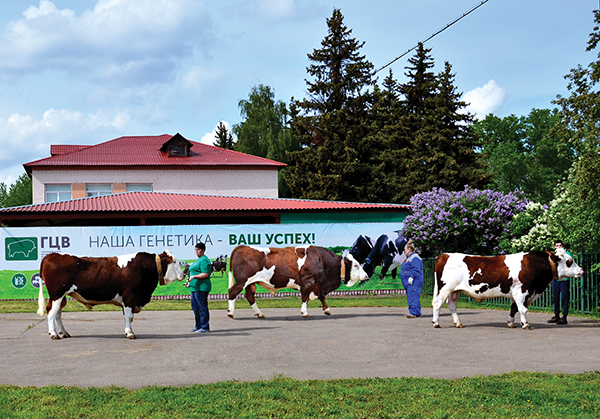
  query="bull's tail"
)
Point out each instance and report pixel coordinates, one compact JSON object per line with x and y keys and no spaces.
{"x":435,"y":284}
{"x":231,"y":278}
{"x":41,"y":302}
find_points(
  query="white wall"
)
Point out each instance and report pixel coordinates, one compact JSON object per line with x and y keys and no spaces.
{"x":229,"y":182}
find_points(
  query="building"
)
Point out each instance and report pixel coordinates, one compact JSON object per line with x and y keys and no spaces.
{"x":169,"y":180}
{"x":162,"y":163}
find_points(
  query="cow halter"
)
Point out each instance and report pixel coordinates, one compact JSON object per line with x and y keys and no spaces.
{"x":161,"y":276}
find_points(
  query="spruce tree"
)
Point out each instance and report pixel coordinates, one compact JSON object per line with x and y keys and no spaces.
{"x":224,"y":137}
{"x":435,"y":145}
{"x":387,"y":140}
{"x":453,"y":161}
{"x":417,"y":125}
{"x":332,"y":123}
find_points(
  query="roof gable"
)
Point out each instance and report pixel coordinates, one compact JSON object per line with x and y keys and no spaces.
{"x":177,"y":146}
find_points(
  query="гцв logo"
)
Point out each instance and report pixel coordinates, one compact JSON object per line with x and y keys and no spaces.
{"x":21,"y":248}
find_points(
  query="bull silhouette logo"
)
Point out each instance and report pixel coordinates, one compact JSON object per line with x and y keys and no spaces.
{"x":21,"y":248}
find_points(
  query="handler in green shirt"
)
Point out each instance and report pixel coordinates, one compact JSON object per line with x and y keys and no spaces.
{"x":200,"y":286}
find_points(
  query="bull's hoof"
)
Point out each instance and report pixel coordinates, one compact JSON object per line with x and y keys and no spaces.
{"x":459,"y":326}
{"x":437,"y":326}
{"x":259,"y":315}
{"x":131,"y":336}
{"x":526,"y":327}
{"x":512,"y":325}
{"x":327,"y":312}
{"x":305,"y":315}
{"x":54,"y":337}
{"x":230,"y":315}
{"x":65,"y":335}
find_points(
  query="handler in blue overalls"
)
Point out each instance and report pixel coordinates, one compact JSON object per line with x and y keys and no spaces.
{"x":411,"y":274}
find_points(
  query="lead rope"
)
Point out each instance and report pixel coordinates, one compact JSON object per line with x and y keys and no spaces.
{"x":161,"y":277}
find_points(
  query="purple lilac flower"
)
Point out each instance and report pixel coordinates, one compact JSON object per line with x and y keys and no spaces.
{"x":470,"y":220}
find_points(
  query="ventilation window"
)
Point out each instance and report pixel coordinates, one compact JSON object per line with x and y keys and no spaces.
{"x":177,"y":150}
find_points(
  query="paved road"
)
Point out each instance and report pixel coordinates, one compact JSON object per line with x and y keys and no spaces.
{"x":353,"y":342}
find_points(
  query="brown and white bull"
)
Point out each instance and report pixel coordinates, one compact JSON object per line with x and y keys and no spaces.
{"x":314,"y":271}
{"x":125,"y":281}
{"x":522,"y":277}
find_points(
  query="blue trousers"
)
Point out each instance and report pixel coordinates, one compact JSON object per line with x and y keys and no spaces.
{"x":561,"y":288}
{"x":413,"y":295}
{"x":200,"y":309}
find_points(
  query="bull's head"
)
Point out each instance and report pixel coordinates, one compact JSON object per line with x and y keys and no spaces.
{"x":173,"y":271}
{"x":355,"y":273}
{"x":565,"y":265}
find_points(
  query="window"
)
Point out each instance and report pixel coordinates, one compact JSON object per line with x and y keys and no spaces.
{"x":56,"y":193}
{"x":139,"y":187}
{"x":98,"y":189}
{"x":177,"y":150}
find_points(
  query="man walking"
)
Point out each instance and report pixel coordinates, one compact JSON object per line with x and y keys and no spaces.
{"x":561,"y":287}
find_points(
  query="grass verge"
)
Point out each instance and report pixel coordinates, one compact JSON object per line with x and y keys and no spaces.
{"x":513,"y":395}
{"x":29,"y":306}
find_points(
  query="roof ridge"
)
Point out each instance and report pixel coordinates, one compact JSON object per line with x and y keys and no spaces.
{"x":232,"y":151}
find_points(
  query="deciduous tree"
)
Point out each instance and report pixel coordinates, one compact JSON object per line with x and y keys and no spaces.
{"x":574,"y":214}
{"x":522,"y":153}
{"x":17,"y":194}
{"x":265,"y":131}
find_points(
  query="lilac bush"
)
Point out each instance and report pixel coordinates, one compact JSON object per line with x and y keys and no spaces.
{"x":469,"y":221}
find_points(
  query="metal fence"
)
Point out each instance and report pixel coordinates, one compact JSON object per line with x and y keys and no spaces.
{"x":585,"y":291}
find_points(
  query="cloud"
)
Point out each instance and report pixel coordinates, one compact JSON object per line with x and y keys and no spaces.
{"x":122,"y":42}
{"x":25,"y":138}
{"x":485,"y":100}
{"x":199,"y":79}
{"x":274,"y":11}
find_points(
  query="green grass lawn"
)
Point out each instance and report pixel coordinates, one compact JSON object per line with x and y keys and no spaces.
{"x":514,"y":395}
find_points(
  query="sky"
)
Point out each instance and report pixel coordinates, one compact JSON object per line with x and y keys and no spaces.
{"x":88,"y":71}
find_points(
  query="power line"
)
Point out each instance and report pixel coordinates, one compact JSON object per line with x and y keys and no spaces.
{"x":436,"y":33}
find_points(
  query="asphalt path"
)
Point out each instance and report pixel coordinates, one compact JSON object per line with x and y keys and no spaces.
{"x":352,"y":342}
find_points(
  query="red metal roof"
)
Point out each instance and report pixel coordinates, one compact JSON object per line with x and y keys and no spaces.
{"x":162,"y":201}
{"x":145,"y":151}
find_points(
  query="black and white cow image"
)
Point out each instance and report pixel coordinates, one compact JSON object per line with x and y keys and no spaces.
{"x":220,"y":264}
{"x":387,"y":252}
{"x":314,"y":271}
{"x":522,"y":277}
{"x":361,"y":248}
{"x":125,"y":281}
